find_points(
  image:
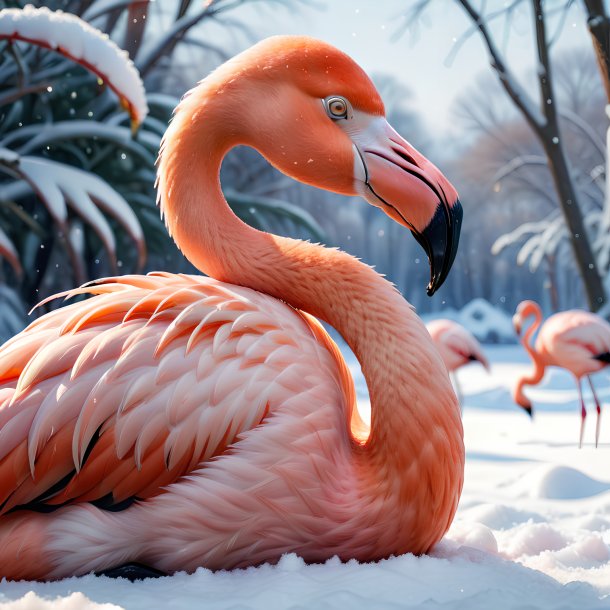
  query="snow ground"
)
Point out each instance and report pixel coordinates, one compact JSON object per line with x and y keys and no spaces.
{"x":532,"y":530}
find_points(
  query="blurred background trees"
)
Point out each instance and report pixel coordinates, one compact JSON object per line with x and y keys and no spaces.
{"x":515,"y":242}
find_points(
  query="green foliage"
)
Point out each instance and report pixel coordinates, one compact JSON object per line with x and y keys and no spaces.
{"x":92,"y":198}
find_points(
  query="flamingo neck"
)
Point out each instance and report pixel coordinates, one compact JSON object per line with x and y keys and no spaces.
{"x":415,"y":446}
{"x":539,"y":366}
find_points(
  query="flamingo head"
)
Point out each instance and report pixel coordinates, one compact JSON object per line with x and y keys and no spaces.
{"x":316,"y":116}
{"x":524,"y":402}
{"x":524,"y":310}
{"x":480,"y":358}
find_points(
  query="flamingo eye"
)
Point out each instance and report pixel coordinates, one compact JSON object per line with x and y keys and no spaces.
{"x":336,"y":107}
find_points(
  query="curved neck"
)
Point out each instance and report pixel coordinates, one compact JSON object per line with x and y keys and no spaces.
{"x":414,"y":421}
{"x":528,"y":343}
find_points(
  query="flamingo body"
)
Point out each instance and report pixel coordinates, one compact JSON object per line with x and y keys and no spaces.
{"x":573,"y":340}
{"x":181,"y":421}
{"x":576,"y":340}
{"x":456,"y":344}
{"x":155,"y":377}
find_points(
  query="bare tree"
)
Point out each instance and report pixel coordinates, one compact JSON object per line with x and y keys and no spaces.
{"x":505,"y":158}
{"x":543,"y":118}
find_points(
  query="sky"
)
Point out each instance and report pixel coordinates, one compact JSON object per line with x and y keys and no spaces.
{"x":421,"y":57}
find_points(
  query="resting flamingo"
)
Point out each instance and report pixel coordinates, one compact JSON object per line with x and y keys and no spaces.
{"x":179,"y":421}
{"x":457,"y":347}
{"x":576,"y":340}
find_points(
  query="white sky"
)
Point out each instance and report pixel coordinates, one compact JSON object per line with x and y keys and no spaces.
{"x":364,"y":28}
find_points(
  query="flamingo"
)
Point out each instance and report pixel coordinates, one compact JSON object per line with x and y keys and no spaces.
{"x":457,"y":347}
{"x":177,"y":421}
{"x":576,"y":340}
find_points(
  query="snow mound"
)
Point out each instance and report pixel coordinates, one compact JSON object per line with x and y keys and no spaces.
{"x":499,"y":516}
{"x":561,"y":483}
{"x":474,"y":535}
{"x":587,"y":553}
{"x":81,"y":42}
{"x":487,"y":323}
{"x":593,"y":523}
{"x":531,"y":539}
{"x":75,"y":601}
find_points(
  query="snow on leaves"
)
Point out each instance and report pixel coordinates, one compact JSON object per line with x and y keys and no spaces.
{"x":71,"y":36}
{"x":60,"y":186}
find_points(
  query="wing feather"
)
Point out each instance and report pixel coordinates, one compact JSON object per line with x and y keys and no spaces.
{"x":58,"y":410}
{"x":108,"y":345}
{"x":124,"y":393}
{"x":99,"y":406}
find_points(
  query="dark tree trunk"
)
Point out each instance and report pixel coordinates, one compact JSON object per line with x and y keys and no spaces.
{"x":581,"y":246}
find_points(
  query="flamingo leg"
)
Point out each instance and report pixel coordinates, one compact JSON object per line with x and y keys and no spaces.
{"x":598,"y":408}
{"x":583,"y":413}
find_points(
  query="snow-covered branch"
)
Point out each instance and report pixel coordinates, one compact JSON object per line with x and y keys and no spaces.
{"x":60,"y":186}
{"x":76,"y":39}
{"x":519,"y":163}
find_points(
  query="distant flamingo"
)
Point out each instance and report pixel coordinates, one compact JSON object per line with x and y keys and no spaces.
{"x":180,"y":421}
{"x":576,"y":340}
{"x":457,"y":347}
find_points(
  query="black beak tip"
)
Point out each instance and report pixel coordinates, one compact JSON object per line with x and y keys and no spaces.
{"x":440,"y":240}
{"x":529,"y":411}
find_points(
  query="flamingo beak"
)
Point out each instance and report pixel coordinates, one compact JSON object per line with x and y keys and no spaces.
{"x":517,"y":324}
{"x":528,"y":410}
{"x":440,"y":241}
{"x":482,"y":362}
{"x":413,"y":192}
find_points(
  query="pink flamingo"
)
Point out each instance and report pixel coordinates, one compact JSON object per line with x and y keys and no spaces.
{"x":457,"y":347}
{"x":576,"y":340}
{"x":179,"y":421}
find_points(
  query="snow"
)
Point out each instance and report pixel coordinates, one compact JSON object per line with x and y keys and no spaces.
{"x":487,"y":323}
{"x":59,"y":186}
{"x":532,"y":530}
{"x":83,"y":43}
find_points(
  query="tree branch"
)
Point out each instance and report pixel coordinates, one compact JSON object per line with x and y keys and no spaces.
{"x":518,"y":163}
{"x":508,"y":80}
{"x":547,"y":101}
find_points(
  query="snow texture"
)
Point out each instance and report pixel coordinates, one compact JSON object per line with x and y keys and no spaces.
{"x":532,"y":530}
{"x":75,"y":38}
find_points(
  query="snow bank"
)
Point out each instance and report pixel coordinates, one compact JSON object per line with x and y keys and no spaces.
{"x":559,"y":483}
{"x":76,"y":39}
{"x":454,"y":577}
{"x":487,"y":323}
{"x":75,"y":601}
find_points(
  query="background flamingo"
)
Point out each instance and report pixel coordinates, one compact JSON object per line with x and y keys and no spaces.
{"x":108,"y":403}
{"x":457,"y":347}
{"x":576,"y":340}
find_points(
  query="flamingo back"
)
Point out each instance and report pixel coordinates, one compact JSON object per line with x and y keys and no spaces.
{"x":114,"y":398}
{"x":456,"y":345}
